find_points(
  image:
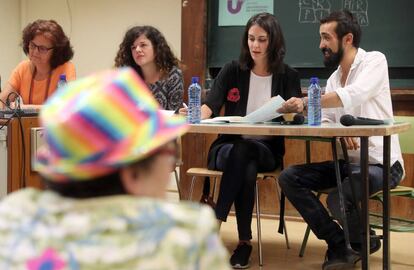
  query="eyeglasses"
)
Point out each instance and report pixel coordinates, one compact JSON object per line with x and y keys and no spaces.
{"x":41,"y":49}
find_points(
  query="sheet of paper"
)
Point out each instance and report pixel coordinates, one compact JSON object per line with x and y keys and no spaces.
{"x":224,"y":119}
{"x":266,"y":112}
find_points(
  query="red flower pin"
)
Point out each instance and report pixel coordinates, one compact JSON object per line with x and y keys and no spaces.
{"x":233,"y":95}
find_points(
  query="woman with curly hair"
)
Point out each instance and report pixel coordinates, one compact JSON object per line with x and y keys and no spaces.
{"x":36,"y":78}
{"x":145,"y":49}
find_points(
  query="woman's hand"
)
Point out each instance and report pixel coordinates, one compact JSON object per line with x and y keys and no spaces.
{"x":183,"y":111}
{"x":292,"y":105}
{"x":206,"y":112}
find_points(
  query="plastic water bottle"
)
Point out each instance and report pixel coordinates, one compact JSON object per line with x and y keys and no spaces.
{"x":314,"y":102}
{"x":62,"y":81}
{"x":194,"y":101}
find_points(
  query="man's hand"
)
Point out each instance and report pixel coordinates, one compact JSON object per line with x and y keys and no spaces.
{"x":292,"y":105}
{"x":351,"y":143}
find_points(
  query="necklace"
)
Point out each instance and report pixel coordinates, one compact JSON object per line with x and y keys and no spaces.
{"x":32,"y":84}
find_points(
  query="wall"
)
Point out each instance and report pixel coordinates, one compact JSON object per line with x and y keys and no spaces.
{"x":95,"y":27}
{"x":10,"y":36}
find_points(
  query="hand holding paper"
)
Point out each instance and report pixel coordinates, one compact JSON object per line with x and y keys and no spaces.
{"x":267,"y":112}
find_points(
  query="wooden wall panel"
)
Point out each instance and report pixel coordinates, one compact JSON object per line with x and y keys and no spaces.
{"x":15,"y":147}
{"x":193,"y":57}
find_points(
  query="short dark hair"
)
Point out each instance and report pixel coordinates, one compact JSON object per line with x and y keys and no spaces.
{"x":62,"y":50}
{"x":106,"y":185}
{"x":276,"y":49}
{"x":346,"y":23}
{"x":165,"y":60}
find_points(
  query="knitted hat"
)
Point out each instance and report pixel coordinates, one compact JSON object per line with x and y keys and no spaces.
{"x":99,"y":123}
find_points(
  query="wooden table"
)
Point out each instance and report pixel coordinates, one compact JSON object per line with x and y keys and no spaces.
{"x":334,"y":130}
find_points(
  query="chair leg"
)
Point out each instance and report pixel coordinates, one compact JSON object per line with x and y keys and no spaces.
{"x":259,"y":226}
{"x":177,"y":181}
{"x":306,"y":236}
{"x":304,"y":242}
{"x":213,"y":194}
{"x":284,"y":223}
{"x":190,"y":195}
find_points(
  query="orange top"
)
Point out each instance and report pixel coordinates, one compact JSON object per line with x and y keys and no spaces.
{"x":21,"y":79}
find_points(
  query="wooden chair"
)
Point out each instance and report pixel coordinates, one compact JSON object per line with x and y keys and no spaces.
{"x":396,"y":224}
{"x":215,"y":175}
{"x":178,"y":164}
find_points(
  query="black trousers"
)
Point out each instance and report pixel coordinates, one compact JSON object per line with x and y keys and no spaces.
{"x":240,"y":162}
{"x":299,"y":181}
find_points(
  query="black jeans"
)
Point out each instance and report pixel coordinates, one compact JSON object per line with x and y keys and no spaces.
{"x":240,"y":161}
{"x":299,"y":181}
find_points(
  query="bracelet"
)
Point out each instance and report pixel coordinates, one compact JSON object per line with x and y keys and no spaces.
{"x":304,"y":103}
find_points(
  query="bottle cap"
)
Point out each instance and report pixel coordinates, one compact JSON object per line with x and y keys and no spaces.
{"x":195,"y":79}
{"x":314,"y":80}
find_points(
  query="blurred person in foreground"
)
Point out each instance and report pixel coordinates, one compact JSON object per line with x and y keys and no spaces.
{"x":106,"y":162}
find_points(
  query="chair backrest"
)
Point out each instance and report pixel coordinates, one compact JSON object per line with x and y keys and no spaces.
{"x":406,"y":138}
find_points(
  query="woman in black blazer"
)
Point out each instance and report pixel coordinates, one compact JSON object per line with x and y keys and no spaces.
{"x":242,"y":87}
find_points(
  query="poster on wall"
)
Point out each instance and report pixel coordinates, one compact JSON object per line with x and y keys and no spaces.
{"x":238,"y":12}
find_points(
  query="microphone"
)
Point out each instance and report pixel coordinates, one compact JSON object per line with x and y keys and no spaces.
{"x":349,"y":120}
{"x":293,"y":119}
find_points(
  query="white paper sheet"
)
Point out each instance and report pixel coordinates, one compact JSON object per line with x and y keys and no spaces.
{"x":263,"y":114}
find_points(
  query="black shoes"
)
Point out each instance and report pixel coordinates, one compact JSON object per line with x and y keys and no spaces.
{"x":340,"y":259}
{"x":374,"y":244}
{"x":241,"y":256}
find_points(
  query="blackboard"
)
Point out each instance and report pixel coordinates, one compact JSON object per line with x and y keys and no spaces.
{"x":387,"y":26}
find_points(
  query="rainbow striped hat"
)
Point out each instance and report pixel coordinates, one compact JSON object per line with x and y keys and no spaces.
{"x":99,"y":123}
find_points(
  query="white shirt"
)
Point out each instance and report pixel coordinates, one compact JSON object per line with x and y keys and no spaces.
{"x":260,"y":91}
{"x":366,"y":94}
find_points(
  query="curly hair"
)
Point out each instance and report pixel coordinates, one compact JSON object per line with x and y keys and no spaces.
{"x":62,"y":50}
{"x":346,"y":23}
{"x":276,"y":49}
{"x":165,"y":60}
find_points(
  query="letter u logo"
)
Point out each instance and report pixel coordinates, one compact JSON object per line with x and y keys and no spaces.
{"x":235,"y":10}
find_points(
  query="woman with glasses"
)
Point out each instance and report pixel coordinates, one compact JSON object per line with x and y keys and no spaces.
{"x":145,"y":49}
{"x":36,"y":78}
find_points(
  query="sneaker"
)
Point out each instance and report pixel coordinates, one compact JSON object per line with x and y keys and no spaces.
{"x":241,"y":256}
{"x":340,"y":259}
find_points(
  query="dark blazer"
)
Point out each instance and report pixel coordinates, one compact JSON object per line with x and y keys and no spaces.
{"x":285,"y":82}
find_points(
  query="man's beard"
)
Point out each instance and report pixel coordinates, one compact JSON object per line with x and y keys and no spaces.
{"x":333,"y":60}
